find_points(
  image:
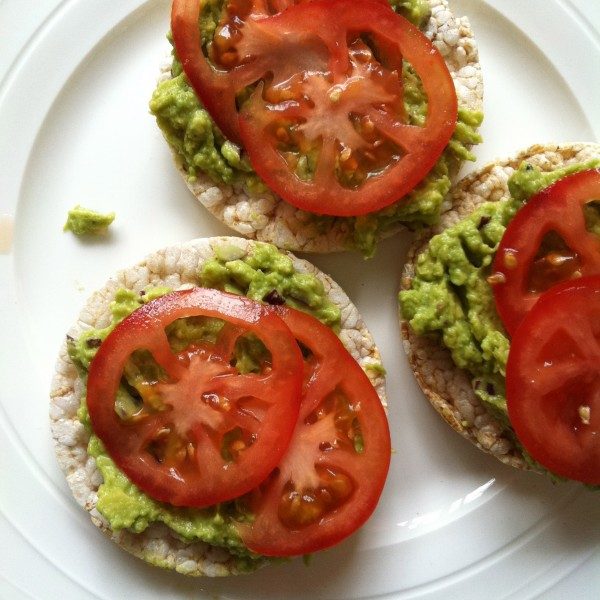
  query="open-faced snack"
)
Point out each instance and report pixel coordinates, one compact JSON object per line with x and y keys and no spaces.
{"x":483,"y":255}
{"x":239,"y":388}
{"x":355,"y":115}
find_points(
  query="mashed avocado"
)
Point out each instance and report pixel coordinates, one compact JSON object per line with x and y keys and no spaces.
{"x":450,"y":296}
{"x":267,"y":275}
{"x":201,"y":147}
{"x":416,"y":11}
{"x":83,"y":221}
{"x":263,"y":274}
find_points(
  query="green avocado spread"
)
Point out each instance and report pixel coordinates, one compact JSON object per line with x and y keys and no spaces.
{"x":264,"y":274}
{"x":201,"y":147}
{"x":450,"y":296}
{"x":83,"y":221}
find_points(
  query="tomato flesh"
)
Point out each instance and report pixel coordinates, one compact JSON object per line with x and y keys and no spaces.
{"x":325,"y":127}
{"x":553,"y":380}
{"x":546,"y":242}
{"x":335,"y":139}
{"x":331,"y":477}
{"x":203,"y":432}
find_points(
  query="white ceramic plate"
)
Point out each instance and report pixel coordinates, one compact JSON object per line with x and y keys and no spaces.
{"x":74,"y":128}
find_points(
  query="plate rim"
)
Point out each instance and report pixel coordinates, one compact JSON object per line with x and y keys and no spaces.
{"x":5,"y":90}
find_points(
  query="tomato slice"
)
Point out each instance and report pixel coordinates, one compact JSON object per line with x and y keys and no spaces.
{"x":553,"y":380}
{"x":325,"y":127}
{"x":334,"y":138}
{"x":331,"y":477}
{"x":546,"y":242}
{"x":202,"y":431}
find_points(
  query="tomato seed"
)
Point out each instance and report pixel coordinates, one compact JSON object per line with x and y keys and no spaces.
{"x":496,"y":278}
{"x":510,"y":260}
{"x":557,"y":260}
{"x":340,"y":487}
{"x":345,"y":154}
{"x":368,"y":126}
{"x":304,"y":509}
{"x":138,"y":416}
{"x":287,"y":94}
{"x":190,"y":450}
{"x":335,"y":95}
{"x":584,"y":414}
{"x":238,"y":446}
{"x":271,"y":95}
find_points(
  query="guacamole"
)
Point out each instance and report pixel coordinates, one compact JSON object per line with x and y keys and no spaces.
{"x":202,"y":148}
{"x":83,"y":221}
{"x":450,"y":296}
{"x":267,"y":275}
{"x":264,"y":274}
{"x":416,"y":11}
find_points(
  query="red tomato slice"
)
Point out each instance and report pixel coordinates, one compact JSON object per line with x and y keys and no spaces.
{"x":204,"y":432}
{"x":342,"y":114}
{"x":553,"y":380}
{"x":330,"y":479}
{"x":546,"y":242}
{"x":326,"y":128}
